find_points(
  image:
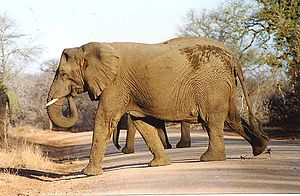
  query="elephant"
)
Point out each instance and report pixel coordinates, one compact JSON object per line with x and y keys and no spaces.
{"x":186,"y":79}
{"x":127,"y":123}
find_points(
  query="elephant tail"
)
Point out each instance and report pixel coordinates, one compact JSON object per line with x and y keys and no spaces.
{"x":254,"y":122}
{"x":116,"y":135}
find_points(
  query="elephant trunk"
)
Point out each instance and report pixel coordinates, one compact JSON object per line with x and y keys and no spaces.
{"x":56,"y":115}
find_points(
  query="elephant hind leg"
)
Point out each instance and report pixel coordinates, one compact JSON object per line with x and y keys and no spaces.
{"x":150,"y":135}
{"x":185,"y":140}
{"x":162,"y":133}
{"x":216,"y":147}
{"x":129,"y":147}
{"x":256,"y":138}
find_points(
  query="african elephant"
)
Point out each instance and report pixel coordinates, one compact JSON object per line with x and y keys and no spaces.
{"x":183,"y":79}
{"x":127,"y":123}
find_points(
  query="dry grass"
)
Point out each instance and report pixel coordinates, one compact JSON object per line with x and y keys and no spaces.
{"x":19,"y":154}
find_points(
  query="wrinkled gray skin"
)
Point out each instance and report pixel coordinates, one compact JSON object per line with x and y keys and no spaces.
{"x":127,"y":124}
{"x":192,"y":80}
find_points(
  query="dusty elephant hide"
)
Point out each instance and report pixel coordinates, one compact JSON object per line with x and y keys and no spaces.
{"x":184,"y":79}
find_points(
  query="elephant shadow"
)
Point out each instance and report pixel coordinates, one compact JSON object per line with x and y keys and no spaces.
{"x":45,"y":176}
{"x":125,"y":166}
{"x":48,"y":176}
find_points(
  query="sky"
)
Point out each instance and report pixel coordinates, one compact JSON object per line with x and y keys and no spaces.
{"x":59,"y":24}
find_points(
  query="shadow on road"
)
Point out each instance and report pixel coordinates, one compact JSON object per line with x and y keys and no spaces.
{"x":126,"y":166}
{"x":45,"y":176}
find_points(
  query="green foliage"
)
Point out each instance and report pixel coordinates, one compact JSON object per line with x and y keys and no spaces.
{"x":265,"y":35}
{"x":281,"y":19}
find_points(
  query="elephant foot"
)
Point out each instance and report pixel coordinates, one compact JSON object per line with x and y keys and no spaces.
{"x":169,"y":146}
{"x":257,"y":150}
{"x":210,"y":155}
{"x":90,"y":170}
{"x":183,"y":144}
{"x":159,"y":162}
{"x":127,"y":150}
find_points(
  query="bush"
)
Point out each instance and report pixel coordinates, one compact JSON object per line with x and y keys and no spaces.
{"x":284,"y":110}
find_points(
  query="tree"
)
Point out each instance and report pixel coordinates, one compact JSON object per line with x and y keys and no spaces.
{"x":50,"y":66}
{"x":16,"y":50}
{"x":281,"y":19}
{"x":232,"y":24}
{"x":31,"y":94}
{"x":265,"y":36}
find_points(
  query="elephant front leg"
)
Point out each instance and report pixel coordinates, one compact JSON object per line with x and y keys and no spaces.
{"x":150,"y":135}
{"x":100,"y":140}
{"x":216,"y":147}
{"x":104,"y":125}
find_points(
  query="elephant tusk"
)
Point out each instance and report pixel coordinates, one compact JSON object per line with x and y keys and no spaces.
{"x":51,"y":102}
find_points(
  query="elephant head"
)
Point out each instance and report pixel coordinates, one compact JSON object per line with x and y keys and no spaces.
{"x":91,"y":68}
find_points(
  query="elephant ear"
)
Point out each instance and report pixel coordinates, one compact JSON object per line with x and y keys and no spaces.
{"x":100,"y":67}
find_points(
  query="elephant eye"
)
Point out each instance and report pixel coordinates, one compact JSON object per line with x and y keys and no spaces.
{"x":64,"y":75}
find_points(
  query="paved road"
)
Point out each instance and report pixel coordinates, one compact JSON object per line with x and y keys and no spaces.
{"x":278,"y":172}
